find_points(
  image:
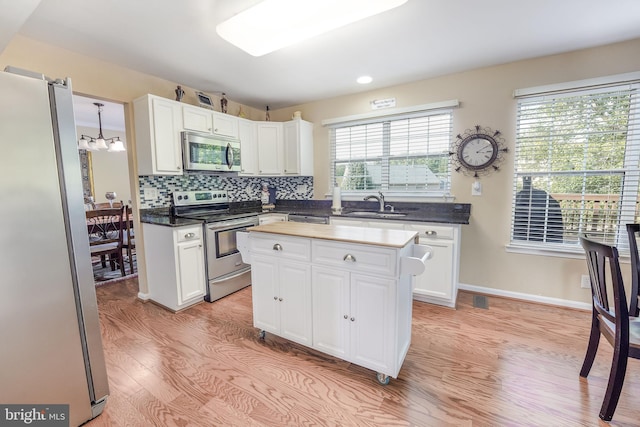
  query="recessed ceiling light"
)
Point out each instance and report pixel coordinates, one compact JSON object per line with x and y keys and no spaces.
{"x":273,"y":24}
{"x":363,"y":80}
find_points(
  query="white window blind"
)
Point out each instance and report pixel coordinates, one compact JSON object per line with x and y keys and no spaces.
{"x":576,"y":166}
{"x":402,"y":154}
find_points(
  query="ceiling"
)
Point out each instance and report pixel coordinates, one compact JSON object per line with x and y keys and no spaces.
{"x":176,"y":40}
{"x":86,"y":115}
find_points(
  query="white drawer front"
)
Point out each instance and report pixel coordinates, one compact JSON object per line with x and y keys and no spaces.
{"x":291,"y":248}
{"x":428,"y":231}
{"x":358,"y":258}
{"x":188,"y":233}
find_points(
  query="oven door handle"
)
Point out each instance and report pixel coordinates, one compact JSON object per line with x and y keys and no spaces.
{"x":231,"y":225}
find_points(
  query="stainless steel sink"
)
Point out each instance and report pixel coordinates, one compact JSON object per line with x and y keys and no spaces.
{"x":371,"y":214}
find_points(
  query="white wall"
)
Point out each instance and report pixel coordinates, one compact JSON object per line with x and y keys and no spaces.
{"x":110,"y":170}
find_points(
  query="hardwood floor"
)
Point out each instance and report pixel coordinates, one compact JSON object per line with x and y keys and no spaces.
{"x":508,"y":365}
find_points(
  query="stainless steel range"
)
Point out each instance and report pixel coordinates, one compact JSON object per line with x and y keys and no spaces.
{"x":226,"y":273}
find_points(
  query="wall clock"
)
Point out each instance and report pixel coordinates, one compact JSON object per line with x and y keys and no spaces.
{"x":478,"y":151}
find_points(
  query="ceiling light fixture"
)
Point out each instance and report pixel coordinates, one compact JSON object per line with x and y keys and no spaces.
{"x":90,"y":143}
{"x":364,"y":80}
{"x":273,"y":24}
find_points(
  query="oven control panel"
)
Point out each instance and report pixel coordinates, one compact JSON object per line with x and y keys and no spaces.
{"x":202,"y":197}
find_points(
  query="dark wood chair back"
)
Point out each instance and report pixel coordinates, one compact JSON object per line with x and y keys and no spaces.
{"x":129,"y":238}
{"x":107,"y":205}
{"x":105,"y":225}
{"x":105,"y":228}
{"x":610,"y":317}
{"x":633,"y":230}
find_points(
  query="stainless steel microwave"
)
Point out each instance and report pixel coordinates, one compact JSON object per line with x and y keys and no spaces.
{"x":203,"y":152}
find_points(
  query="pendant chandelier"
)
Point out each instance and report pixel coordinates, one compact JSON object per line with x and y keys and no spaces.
{"x":90,"y":143}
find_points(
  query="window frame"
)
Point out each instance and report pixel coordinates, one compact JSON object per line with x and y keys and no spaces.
{"x":388,"y":115}
{"x":630,"y":171}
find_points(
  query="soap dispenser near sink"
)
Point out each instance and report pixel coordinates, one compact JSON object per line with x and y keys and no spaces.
{"x":268,"y":196}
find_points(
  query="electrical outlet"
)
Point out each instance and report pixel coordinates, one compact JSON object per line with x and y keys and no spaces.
{"x":302,"y":188}
{"x":585,"y":281}
{"x":150,"y":193}
{"x":476,"y":188}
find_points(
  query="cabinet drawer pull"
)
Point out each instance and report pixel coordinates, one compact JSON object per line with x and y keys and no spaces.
{"x":190,"y":235}
{"x":277,"y":247}
{"x":349,"y":257}
{"x":431,"y":233}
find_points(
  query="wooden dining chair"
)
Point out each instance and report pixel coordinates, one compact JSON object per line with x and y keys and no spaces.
{"x":105,"y":227}
{"x":610,"y":318}
{"x":633,"y":230}
{"x":129,"y":238}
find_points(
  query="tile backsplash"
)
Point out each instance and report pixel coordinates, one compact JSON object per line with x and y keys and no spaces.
{"x":239,"y":188}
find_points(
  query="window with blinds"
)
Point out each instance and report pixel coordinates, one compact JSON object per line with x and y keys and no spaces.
{"x":404,"y":154}
{"x":576,"y":166}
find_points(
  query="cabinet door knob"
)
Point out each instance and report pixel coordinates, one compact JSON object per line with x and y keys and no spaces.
{"x":275,"y":298}
{"x":277,"y":247}
{"x":349,"y":257}
{"x":346,"y":317}
{"x":353,"y":319}
{"x":279,"y":299}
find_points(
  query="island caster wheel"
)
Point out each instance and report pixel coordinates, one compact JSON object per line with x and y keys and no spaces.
{"x":261,"y":334}
{"x":382,"y":378}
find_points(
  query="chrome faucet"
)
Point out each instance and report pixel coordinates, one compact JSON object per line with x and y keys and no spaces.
{"x":380,"y":199}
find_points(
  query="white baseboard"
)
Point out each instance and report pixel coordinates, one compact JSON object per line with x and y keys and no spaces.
{"x":525,"y":297}
{"x":143,"y":297}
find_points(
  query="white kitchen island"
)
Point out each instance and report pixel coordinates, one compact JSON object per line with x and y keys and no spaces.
{"x":342,"y":290}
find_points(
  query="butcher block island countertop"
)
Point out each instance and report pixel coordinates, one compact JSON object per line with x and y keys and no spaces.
{"x":341,"y":233}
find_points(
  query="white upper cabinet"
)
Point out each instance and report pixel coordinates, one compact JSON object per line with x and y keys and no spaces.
{"x":197,"y":119}
{"x":225,"y":124}
{"x":248,"y":134}
{"x":266,"y":148}
{"x":298,"y":148}
{"x":285,"y":148}
{"x":269,"y":148}
{"x":158,"y":123}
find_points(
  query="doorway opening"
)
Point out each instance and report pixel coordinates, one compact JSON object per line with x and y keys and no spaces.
{"x":105,"y":175}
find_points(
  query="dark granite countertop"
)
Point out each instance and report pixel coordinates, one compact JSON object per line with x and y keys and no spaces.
{"x":160,"y":216}
{"x":446,"y":213}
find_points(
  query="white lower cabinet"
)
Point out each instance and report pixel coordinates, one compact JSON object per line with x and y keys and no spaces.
{"x":281,"y":287}
{"x":439,"y":283}
{"x":344,"y":299}
{"x":353,"y":317}
{"x":174,"y":257}
{"x":272,"y":217}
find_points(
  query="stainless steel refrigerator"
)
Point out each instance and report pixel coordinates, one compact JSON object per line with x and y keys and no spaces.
{"x":50,"y":345}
